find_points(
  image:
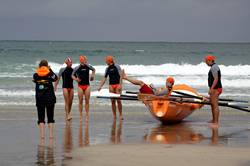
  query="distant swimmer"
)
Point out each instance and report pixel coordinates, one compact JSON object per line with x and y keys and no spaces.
{"x":45,"y":97}
{"x":215,"y":87}
{"x":81,"y":74}
{"x":150,"y":89}
{"x":113,"y":71}
{"x":67,"y":86}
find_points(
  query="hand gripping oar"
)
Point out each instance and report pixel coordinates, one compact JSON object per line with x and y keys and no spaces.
{"x":201,"y":97}
{"x":241,"y":107}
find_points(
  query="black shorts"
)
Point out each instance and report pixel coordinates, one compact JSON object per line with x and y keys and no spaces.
{"x":41,"y":113}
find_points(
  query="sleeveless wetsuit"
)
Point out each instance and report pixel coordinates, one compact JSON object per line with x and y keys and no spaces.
{"x":213,"y":72}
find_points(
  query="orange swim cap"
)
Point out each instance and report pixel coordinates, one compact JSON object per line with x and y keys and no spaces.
{"x":109,"y":59}
{"x":170,"y":80}
{"x":209,"y":58}
{"x":82,"y":58}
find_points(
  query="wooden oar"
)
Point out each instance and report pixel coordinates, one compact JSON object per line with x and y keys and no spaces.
{"x":201,"y":97}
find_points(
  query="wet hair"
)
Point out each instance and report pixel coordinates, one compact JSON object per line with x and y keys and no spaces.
{"x":43,"y":63}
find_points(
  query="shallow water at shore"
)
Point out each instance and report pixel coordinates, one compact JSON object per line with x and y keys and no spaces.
{"x":20,"y":144}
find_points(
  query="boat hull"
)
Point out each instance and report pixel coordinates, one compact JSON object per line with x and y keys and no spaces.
{"x":173,"y":112}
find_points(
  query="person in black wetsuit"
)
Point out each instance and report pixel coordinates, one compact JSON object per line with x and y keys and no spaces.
{"x":215,"y":88}
{"x":113,"y":71}
{"x":81,"y":76}
{"x":45,"y":97}
{"x":67,"y":86}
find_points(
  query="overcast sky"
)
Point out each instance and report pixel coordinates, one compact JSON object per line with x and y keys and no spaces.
{"x":126,"y":20}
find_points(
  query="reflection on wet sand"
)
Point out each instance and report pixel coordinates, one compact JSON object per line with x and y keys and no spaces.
{"x":68,"y":142}
{"x":44,"y":158}
{"x":86,"y":135}
{"x":179,"y":134}
{"x":115,"y":136}
{"x":215,"y":135}
{"x":173,"y":134}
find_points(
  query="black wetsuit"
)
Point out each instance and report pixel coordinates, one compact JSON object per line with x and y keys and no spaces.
{"x":45,"y":96}
{"x":82,"y":72}
{"x":66,"y":73}
{"x":113,"y":71}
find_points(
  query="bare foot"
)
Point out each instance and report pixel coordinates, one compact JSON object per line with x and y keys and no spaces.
{"x":214,"y":125}
{"x":69,"y":117}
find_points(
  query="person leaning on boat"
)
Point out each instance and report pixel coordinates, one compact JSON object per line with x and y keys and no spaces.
{"x":150,"y":89}
{"x":215,"y":87}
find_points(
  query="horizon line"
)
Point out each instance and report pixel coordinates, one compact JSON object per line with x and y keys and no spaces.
{"x":125,"y":41}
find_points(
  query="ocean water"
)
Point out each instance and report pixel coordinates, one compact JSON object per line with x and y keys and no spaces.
{"x":151,"y":62}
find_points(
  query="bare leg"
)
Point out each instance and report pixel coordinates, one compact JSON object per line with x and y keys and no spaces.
{"x":42,"y":130}
{"x":132,"y":80}
{"x":215,"y":107}
{"x":51,"y":130}
{"x":87,"y":97}
{"x":113,"y":102}
{"x":119,"y":103}
{"x":70,"y":101}
{"x":80,"y":97}
{"x":66,"y":100}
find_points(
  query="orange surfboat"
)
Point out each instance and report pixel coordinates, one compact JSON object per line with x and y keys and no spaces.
{"x":171,"y":111}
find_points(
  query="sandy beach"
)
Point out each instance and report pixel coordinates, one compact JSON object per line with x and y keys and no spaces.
{"x":118,"y":142}
{"x":159,"y":154}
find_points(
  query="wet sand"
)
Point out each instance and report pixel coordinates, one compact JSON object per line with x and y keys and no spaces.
{"x":76,"y":141}
{"x":158,"y":154}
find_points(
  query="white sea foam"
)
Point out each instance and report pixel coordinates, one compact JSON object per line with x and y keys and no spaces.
{"x":170,"y":69}
{"x":147,"y":70}
{"x":195,"y":75}
{"x":20,"y":93}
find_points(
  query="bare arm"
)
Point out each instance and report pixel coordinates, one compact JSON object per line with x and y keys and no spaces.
{"x":102,"y":83}
{"x":73,"y":75}
{"x":216,"y":79}
{"x":214,"y":84}
{"x":56,"y":83}
{"x":92,"y":75}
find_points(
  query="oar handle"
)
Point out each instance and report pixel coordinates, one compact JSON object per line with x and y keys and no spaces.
{"x":117,"y":98}
{"x":131,"y":92}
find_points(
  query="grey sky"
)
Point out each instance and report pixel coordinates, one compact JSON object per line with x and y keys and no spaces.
{"x":126,"y":20}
